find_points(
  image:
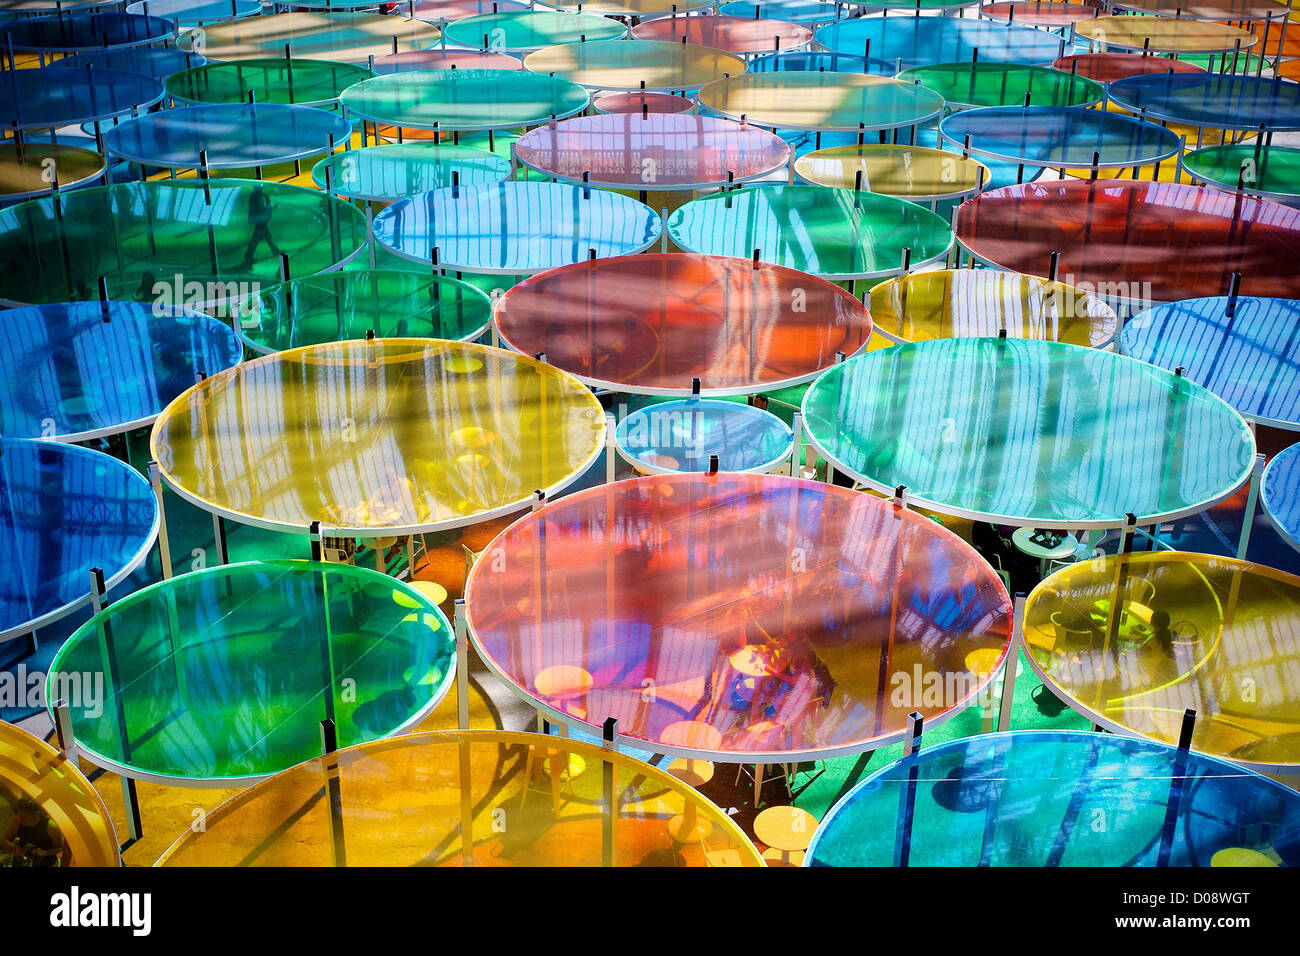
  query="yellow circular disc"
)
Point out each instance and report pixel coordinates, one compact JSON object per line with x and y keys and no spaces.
{"x":1132,"y":642}
{"x":908,"y":172}
{"x":43,"y":787}
{"x":618,"y":65}
{"x":342,"y":37}
{"x":822,"y":101}
{"x":962,"y":303}
{"x":33,"y":169}
{"x":406,"y":801}
{"x":1163,"y":35}
{"x":360,"y":436}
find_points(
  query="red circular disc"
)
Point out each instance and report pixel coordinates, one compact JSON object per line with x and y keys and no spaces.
{"x":771,"y":615}
{"x":1051,"y":13}
{"x":649,"y":324}
{"x":1108,"y":67}
{"x":733,"y":34}
{"x":635,"y":102}
{"x":1138,"y":241}
{"x":652,"y":150}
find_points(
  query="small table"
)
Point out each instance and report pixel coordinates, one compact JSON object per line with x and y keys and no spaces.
{"x":788,"y":830}
{"x":1022,"y":538}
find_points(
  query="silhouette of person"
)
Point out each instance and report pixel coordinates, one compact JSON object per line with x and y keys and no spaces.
{"x":259,"y":217}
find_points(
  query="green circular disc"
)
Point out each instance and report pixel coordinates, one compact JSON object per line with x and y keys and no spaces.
{"x":337,"y":306}
{"x":1245,"y":64}
{"x":833,"y":233}
{"x":965,"y":85}
{"x":526,"y":30}
{"x":191,"y":243}
{"x":1269,"y":171}
{"x":226,"y":674}
{"x":398,"y":170}
{"x":271,"y":80}
{"x":1028,"y":432}
{"x":464,"y":99}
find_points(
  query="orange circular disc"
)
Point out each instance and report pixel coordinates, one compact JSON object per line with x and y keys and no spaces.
{"x":649,"y":324}
{"x":854,"y":613}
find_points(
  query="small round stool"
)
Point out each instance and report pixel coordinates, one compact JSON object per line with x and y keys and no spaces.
{"x":787,"y":831}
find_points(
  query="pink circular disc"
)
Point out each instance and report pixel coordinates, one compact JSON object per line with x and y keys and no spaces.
{"x":652,"y":151}
{"x":1051,"y":13}
{"x":636,"y":102}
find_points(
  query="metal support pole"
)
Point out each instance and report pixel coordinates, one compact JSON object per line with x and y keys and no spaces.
{"x":1012,"y":662}
{"x":462,"y":665}
{"x":130,"y":799}
{"x":1176,"y":787}
{"x":796,"y":447}
{"x":334,"y":796}
{"x":907,"y":795}
{"x":1252,"y":499}
{"x":219,"y":537}
{"x":609,"y":831}
{"x":63,"y":730}
{"x":915,"y":726}
{"x":164,"y":547}
{"x":610,"y":452}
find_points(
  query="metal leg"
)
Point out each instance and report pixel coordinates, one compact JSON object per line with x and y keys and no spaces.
{"x":164,"y":547}
{"x":611,"y":452}
{"x":219,"y":538}
{"x":1176,"y":786}
{"x":1011,"y":663}
{"x":333,"y":794}
{"x":907,"y":794}
{"x":609,"y":832}
{"x":131,"y":805}
{"x":1252,"y":498}
{"x":63,"y":730}
{"x":462,"y":666}
{"x":796,"y":449}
